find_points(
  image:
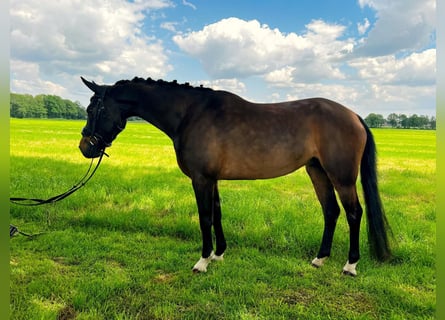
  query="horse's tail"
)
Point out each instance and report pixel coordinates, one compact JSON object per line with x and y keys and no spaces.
{"x":377,"y":223}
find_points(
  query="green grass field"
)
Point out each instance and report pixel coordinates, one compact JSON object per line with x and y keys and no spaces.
{"x":123,"y":246}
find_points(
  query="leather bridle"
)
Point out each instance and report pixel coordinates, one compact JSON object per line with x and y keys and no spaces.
{"x":96,"y":139}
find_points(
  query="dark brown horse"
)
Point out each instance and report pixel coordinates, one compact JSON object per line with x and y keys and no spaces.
{"x":219,"y":136}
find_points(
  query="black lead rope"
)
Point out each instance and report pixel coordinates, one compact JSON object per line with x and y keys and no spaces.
{"x":74,"y":188}
{"x":13,"y":230}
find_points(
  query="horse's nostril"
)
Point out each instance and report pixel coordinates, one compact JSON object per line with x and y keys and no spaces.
{"x":88,"y":148}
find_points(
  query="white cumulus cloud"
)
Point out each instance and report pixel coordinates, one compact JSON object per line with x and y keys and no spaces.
{"x":415,"y":69}
{"x":322,"y":61}
{"x":400,"y":25}
{"x":363,"y":27}
{"x":69,"y":38}
{"x":231,"y":85}
{"x":237,"y":48}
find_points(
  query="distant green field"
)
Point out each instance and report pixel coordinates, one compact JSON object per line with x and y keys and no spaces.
{"x":123,"y":246}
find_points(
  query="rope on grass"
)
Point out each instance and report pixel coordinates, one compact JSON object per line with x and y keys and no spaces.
{"x":13,"y":230}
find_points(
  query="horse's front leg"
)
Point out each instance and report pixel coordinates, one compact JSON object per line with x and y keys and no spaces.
{"x":205,"y":190}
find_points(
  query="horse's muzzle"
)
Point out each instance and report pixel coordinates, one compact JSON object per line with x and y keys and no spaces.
{"x":90,"y":147}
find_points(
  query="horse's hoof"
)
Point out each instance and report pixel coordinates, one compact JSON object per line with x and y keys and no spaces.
{"x":349,"y":269}
{"x":318,"y":262}
{"x":348,"y":273}
{"x":199,"y":268}
{"x":201,"y":265}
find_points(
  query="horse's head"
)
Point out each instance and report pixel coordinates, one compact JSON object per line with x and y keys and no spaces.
{"x":105,"y":121}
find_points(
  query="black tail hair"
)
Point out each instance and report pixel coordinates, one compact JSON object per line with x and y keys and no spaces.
{"x":377,"y":223}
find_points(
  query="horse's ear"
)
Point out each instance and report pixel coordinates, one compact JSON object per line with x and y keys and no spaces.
{"x":91,"y":85}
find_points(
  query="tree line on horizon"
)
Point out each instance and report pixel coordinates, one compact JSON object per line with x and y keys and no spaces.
{"x":45,"y":106}
{"x":394,"y":120}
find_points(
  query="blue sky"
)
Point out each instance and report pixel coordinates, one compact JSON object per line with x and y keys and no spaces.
{"x":288,"y":16}
{"x":371,"y":55}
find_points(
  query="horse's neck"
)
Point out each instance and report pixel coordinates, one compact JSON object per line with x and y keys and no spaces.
{"x":165,"y":111}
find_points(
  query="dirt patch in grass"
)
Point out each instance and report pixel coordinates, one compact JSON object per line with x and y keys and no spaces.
{"x":66,"y":313}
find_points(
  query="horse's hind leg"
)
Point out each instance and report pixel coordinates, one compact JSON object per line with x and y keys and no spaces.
{"x":351,"y":204}
{"x":326,"y":195}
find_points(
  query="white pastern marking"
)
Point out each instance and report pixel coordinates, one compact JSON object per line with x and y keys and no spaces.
{"x":318,"y":262}
{"x":218,"y":258}
{"x":349,"y":269}
{"x":201,"y":265}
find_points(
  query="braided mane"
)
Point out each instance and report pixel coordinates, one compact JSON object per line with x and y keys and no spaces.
{"x":160,"y":82}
